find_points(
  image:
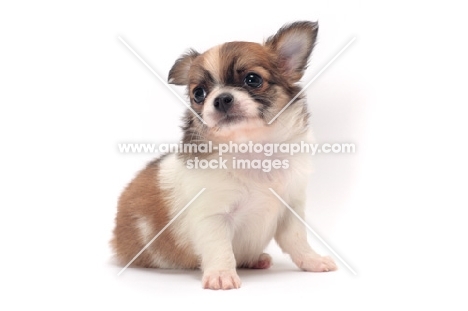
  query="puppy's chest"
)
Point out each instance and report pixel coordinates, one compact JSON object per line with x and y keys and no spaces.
{"x":254,"y":208}
{"x":255,"y":203}
{"x":262,"y":171}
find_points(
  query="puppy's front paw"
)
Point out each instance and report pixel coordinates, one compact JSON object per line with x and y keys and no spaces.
{"x":221,"y":279}
{"x":317,"y":264}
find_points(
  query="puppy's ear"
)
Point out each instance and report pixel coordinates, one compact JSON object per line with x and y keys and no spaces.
{"x":179,"y":71}
{"x":293,"y":45}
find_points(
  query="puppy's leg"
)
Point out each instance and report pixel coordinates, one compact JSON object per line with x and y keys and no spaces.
{"x":213,"y":242}
{"x":291,"y":236}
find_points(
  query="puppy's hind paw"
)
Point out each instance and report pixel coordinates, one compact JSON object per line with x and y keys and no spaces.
{"x":264,"y":262}
{"x":224,"y":279}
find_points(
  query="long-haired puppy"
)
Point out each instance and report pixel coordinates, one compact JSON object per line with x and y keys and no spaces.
{"x":236,"y":88}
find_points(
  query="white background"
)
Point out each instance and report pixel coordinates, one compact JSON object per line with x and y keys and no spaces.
{"x":70,"y":91}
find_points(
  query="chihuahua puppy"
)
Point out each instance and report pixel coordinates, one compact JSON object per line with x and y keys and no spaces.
{"x":236,"y":89}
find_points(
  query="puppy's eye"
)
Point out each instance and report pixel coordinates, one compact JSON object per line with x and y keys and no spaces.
{"x":199,"y":95}
{"x":253,"y":80}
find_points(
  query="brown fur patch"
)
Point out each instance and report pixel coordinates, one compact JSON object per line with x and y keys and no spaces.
{"x":238,"y":58}
{"x":179,"y":72}
{"x":211,"y":61}
{"x":144,"y":198}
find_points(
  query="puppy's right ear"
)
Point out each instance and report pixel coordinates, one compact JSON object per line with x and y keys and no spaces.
{"x":179,"y":72}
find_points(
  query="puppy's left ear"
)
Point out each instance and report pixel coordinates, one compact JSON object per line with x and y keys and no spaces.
{"x":293,"y":45}
{"x":179,"y":72}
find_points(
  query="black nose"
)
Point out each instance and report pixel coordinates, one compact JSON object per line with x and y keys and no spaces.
{"x":223,"y":102}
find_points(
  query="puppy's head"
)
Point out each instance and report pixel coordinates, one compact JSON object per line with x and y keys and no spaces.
{"x":238,"y":87}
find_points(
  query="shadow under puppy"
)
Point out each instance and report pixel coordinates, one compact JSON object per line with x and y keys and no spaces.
{"x":237,"y":88}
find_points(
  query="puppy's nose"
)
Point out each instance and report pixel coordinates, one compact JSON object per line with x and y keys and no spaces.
{"x":223,"y":102}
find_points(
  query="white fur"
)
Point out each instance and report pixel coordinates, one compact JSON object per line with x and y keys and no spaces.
{"x":147,"y":233}
{"x":237,"y":216}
